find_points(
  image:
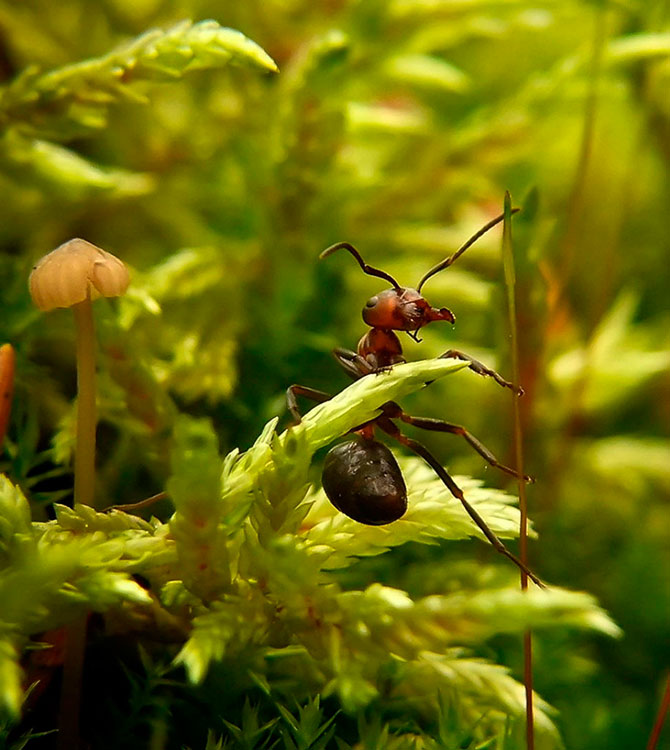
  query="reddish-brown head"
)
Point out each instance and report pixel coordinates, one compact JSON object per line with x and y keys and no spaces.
{"x":402,"y":309}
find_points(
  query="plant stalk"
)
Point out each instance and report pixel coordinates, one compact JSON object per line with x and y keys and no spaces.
{"x":70,"y":692}
{"x":576,"y":199}
{"x":510,"y":283}
{"x":84,"y":493}
{"x":663,"y":711}
{"x":84,"y":457}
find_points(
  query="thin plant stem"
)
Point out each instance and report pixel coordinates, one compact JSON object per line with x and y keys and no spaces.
{"x":575,"y":211}
{"x":576,"y":200}
{"x":84,"y":487}
{"x":141,"y":504}
{"x":663,"y":710}
{"x":70,"y":693}
{"x":84,"y":457}
{"x":510,"y":284}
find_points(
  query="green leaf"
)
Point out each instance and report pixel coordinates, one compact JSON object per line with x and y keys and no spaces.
{"x":433,"y":513}
{"x":307,"y":731}
{"x":11,"y":690}
{"x":14,"y":519}
{"x":427,"y":72}
{"x":360,"y":402}
{"x":74,"y":99}
{"x":630,"y":461}
{"x":487,"y":694}
{"x":378,"y":118}
{"x":508,"y":255}
{"x":232,"y":624}
{"x":195,"y":488}
{"x":618,"y":359}
{"x":384,"y":619}
{"x":418,"y":8}
{"x":83,"y":518}
{"x":638,"y":47}
{"x":355,"y":405}
{"x":196,"y":467}
{"x":320,"y":56}
{"x":250,"y":731}
{"x":49,"y":573}
{"x":57,"y":168}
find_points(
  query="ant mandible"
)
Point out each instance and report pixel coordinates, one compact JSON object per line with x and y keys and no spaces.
{"x":361,"y":477}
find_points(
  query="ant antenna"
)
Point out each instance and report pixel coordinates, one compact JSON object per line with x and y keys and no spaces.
{"x":366,"y":268}
{"x":448,"y":261}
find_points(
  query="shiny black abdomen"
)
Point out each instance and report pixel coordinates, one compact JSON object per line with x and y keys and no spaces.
{"x":362,"y":479}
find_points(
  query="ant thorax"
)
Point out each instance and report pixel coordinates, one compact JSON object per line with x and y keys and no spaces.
{"x":380,"y":348}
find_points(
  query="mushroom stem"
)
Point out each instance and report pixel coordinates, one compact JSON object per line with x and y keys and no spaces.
{"x":71,"y":687}
{"x":84,"y":486}
{"x":84,"y":457}
{"x":70,"y":276}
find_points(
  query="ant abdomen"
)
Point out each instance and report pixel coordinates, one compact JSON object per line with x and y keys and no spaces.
{"x":362,"y":479}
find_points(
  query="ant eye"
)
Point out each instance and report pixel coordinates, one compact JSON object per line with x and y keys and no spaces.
{"x":372,"y":301}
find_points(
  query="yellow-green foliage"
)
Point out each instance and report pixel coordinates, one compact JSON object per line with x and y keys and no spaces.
{"x":248,"y":563}
{"x":218,"y":168}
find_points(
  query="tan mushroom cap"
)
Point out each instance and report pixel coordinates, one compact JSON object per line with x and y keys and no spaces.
{"x":75,"y":271}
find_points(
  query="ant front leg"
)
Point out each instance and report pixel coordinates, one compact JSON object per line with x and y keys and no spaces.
{"x":394,"y":411}
{"x":385,"y":424}
{"x":293,"y":391}
{"x":481,"y":369}
{"x":352,"y":363}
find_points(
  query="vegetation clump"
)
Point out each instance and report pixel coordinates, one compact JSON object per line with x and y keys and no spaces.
{"x":238,"y":608}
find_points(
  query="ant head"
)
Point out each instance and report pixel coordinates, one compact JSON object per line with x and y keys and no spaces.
{"x":403,"y":308}
{"x":396,"y":309}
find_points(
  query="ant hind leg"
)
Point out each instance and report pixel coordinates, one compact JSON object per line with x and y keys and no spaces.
{"x":385,"y":424}
{"x":439,"y":425}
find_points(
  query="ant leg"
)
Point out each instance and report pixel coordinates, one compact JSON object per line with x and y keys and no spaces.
{"x":320,"y":397}
{"x":439,"y":425}
{"x":293,"y":391}
{"x":481,"y":369}
{"x":141,"y":504}
{"x":385,"y":424}
{"x":352,"y":363}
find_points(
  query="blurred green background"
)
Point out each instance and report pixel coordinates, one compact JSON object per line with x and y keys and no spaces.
{"x":396,"y":125}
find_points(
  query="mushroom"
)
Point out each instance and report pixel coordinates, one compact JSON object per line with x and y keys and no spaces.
{"x":73,"y":275}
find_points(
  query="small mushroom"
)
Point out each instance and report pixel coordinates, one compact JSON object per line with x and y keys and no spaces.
{"x":74,"y":272}
{"x":73,"y":275}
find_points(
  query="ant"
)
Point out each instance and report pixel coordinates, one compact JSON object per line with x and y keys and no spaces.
{"x":361,"y":477}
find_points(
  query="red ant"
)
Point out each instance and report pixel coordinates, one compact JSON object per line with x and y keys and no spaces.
{"x":361,"y":477}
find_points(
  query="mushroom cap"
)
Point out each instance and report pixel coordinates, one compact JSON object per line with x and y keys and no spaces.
{"x":74,"y":272}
